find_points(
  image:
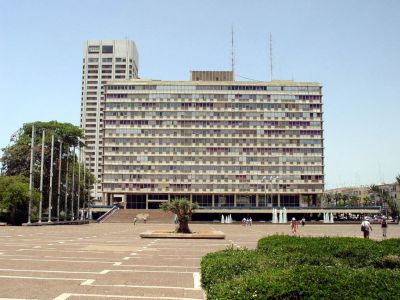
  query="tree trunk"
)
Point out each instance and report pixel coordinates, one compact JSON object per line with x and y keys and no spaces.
{"x":183,"y":226}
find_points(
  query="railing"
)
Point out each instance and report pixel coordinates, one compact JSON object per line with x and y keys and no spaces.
{"x":107,"y":214}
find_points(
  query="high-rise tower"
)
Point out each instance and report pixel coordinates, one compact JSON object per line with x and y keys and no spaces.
{"x":103,"y":61}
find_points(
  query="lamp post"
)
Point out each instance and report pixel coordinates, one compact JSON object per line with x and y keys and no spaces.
{"x":31,"y":174}
{"x":269,"y":179}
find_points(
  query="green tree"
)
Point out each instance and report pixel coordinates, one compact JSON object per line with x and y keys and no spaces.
{"x":387,"y":198}
{"x":183,"y":209}
{"x":354,"y":200}
{"x":16,"y":159}
{"x":14,"y":198}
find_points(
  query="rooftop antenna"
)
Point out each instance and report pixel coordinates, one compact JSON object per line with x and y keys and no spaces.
{"x":232,"y":56}
{"x":270,"y":54}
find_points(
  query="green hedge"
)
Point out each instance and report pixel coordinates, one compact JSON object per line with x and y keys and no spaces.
{"x":286,"y":267}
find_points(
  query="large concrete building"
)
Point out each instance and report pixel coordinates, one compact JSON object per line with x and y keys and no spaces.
{"x":219,"y":143}
{"x":102,"y":61}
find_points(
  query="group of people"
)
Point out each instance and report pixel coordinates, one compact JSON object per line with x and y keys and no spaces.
{"x":366,"y":227}
{"x":247,"y":222}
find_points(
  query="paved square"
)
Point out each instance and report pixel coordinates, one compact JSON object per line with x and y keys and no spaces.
{"x":101,"y":261}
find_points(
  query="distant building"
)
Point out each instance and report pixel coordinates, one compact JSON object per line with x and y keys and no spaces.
{"x":220,"y":143}
{"x":102,"y":61}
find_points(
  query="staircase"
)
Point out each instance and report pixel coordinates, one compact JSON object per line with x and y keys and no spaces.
{"x":152,"y":216}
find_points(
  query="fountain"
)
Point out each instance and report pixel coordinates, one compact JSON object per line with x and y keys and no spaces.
{"x":284,"y":215}
{"x":222,"y":219}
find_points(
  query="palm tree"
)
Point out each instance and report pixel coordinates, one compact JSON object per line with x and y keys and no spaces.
{"x":387,"y":198}
{"x":183,"y":209}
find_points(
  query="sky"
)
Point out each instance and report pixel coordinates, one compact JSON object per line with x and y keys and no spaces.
{"x":351,"y":47}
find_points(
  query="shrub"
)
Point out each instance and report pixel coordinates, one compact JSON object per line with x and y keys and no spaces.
{"x":287,"y":267}
{"x":311,"y":282}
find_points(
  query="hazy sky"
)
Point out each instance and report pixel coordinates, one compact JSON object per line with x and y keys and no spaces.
{"x":351,"y":47}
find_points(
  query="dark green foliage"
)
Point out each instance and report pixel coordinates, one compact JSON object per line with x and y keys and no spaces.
{"x":183,"y":209}
{"x":287,"y":267}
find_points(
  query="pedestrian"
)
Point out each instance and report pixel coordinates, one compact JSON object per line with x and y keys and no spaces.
{"x":144,"y":220}
{"x":303,"y":222}
{"x":384,"y":226}
{"x":134,"y":221}
{"x":366,"y":228}
{"x":293,"y":225}
{"x":250,"y":221}
{"x":244,"y":222}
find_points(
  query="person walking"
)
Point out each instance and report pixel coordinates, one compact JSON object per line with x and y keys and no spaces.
{"x":134,"y":221}
{"x":303,"y":222}
{"x":366,"y":228}
{"x":294,"y":225}
{"x":384,"y":226}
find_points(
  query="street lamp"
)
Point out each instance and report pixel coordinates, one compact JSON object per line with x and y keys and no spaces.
{"x":269,"y":179}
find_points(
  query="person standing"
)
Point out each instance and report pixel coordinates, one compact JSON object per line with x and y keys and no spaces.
{"x":293,"y":225}
{"x":303,"y":222}
{"x":134,"y":221}
{"x":366,"y":228}
{"x":384,"y":226}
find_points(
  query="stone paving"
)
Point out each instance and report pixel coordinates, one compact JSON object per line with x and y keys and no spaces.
{"x":102,"y":261}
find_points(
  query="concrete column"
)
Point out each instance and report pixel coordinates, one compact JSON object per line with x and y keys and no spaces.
{"x":169,"y":197}
{"x":147,"y":201}
{"x":213,"y":200}
{"x":191,"y":197}
{"x":257,"y":199}
{"x":279,"y":200}
{"x":234,"y":200}
{"x":124,"y":196}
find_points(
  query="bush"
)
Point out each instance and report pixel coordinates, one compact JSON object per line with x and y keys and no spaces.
{"x":312,"y":282}
{"x":224,"y":265}
{"x":287,"y":267}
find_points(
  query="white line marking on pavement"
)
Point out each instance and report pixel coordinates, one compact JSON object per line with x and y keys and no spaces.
{"x":42,"y":278}
{"x":104,"y":272}
{"x":133,"y":253}
{"x":146,"y":287}
{"x":36,"y":247}
{"x":77,"y":261}
{"x":126,"y":258}
{"x":88,"y":282}
{"x":117,"y":263}
{"x":50,"y":271}
{"x":65,"y":296}
{"x":152,"y":266}
{"x":147,"y":271}
{"x":15,"y":299}
{"x":196,"y":280}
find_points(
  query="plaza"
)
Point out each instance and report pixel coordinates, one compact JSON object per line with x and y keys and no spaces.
{"x":109,"y":260}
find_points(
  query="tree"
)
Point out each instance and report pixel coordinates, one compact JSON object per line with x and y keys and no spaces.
{"x":14,"y":197}
{"x":387,"y":198}
{"x":16,"y":159}
{"x":183,"y":209}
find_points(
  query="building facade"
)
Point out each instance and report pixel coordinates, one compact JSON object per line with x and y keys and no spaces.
{"x":217,"y":143}
{"x":102,"y":61}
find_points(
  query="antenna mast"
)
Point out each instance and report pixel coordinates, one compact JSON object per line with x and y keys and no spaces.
{"x":270,"y":54}
{"x":233,"y":56}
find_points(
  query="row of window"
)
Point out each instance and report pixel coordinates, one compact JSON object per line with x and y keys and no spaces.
{"x":214,"y":168}
{"x":275,"y":159}
{"x":218,"y":115}
{"x":210,"y":105}
{"x":211,"y":97}
{"x":216,"y":123}
{"x":216,"y":88}
{"x":213,"y":131}
{"x":215,"y":187}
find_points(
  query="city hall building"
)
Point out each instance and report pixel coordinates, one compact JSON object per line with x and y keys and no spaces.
{"x":218,"y":142}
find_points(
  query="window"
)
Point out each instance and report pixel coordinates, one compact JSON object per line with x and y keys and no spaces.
{"x":107,"y":59}
{"x":93,"y":59}
{"x":93,"y":49}
{"x":107,"y":49}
